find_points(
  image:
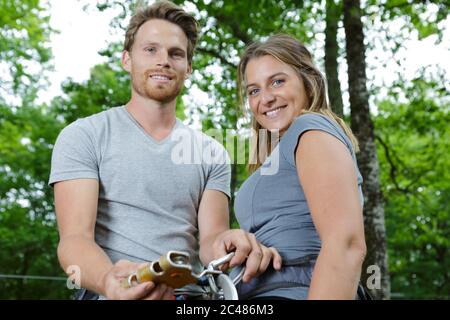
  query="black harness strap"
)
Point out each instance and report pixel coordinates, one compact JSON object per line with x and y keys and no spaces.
{"x":266,"y":283}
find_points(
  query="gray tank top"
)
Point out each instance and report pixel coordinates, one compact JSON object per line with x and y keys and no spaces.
{"x":272,"y":205}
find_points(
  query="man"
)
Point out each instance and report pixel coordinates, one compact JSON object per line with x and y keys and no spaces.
{"x":120,"y":197}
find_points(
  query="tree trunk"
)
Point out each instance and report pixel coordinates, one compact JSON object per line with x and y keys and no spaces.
{"x":232,"y":191}
{"x":333,"y":14}
{"x":363,"y":128}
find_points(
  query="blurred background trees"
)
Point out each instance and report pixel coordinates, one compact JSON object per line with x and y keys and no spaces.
{"x":402,"y":125}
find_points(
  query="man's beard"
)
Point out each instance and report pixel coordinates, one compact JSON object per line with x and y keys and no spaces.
{"x":163,"y":93}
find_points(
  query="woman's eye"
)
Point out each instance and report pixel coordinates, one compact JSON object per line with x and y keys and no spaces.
{"x":253,"y":92}
{"x":277,"y":82}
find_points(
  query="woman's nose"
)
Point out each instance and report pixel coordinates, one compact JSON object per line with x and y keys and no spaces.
{"x":267,"y":97}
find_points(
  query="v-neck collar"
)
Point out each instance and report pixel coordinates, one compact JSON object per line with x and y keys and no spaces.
{"x":146,"y":134}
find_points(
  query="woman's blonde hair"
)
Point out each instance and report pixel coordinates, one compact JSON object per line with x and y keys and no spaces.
{"x":288,"y":50}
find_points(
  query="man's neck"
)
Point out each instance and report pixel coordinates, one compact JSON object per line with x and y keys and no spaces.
{"x":156,"y":118}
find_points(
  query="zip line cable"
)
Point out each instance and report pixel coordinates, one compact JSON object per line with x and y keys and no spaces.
{"x":23,"y":276}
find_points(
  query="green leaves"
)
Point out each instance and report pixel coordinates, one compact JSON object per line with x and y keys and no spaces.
{"x":412,"y":126}
{"x":28,"y":236}
{"x":25,"y":32}
{"x":27,"y":222}
{"x":107,"y":87}
{"x":413,"y":153}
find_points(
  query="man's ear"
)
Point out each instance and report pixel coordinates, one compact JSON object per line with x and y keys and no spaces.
{"x":126,"y":60}
{"x":189,"y":71}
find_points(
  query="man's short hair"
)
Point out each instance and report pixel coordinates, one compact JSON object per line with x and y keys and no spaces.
{"x":168,"y":11}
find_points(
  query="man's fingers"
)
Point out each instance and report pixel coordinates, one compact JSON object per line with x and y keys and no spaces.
{"x":149,"y":291}
{"x":169,"y":294}
{"x":124,"y":268}
{"x":157,"y":293}
{"x":138,"y":292}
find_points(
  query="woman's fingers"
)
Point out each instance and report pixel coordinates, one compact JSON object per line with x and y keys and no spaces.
{"x":277,"y":260}
{"x":253,"y":265}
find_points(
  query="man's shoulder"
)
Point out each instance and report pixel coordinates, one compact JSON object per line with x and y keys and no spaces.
{"x":101,"y":116}
{"x":92,"y":122}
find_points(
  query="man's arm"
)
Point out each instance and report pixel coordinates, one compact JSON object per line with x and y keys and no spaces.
{"x":217,"y":239}
{"x":76,"y":212}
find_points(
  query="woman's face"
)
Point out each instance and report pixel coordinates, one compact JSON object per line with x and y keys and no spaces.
{"x":275,"y":92}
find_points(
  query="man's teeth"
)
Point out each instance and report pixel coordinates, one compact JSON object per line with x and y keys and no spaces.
{"x":160,"y":77}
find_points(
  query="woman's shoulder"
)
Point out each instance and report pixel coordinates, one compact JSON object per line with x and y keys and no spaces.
{"x":307,"y":122}
{"x":314,"y":120}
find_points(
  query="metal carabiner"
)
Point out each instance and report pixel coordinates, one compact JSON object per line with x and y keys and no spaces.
{"x":215,"y":264}
{"x":223,"y":285}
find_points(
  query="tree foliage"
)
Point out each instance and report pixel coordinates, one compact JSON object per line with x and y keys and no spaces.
{"x":24,"y":52}
{"x":413,"y":146}
{"x":411,"y":126}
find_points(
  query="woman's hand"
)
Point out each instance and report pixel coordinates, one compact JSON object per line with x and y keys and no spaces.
{"x":256,"y":256}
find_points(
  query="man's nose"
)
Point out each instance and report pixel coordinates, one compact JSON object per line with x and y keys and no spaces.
{"x":163,"y":59}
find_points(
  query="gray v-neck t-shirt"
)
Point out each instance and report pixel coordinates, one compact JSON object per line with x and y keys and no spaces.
{"x":150,"y":191}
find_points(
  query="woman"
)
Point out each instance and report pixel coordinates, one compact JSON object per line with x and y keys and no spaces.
{"x":310,"y":207}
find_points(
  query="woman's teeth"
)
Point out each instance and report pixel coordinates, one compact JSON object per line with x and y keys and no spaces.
{"x":273,"y":113}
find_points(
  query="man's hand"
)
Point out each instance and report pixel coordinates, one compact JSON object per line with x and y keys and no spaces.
{"x":144,"y":291}
{"x":247,"y":248}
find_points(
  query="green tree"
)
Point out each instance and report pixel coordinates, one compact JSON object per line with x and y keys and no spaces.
{"x":333,"y":17}
{"x":410,"y":126}
{"x":25,"y":31}
{"x":414,"y":135}
{"x":27,"y":224}
{"x":27,"y":229}
{"x":362,"y":125}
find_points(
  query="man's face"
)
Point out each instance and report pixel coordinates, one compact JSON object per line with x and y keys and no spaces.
{"x":158,"y":62}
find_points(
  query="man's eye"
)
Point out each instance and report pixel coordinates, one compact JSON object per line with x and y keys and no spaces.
{"x":178,"y":54}
{"x":152,"y":49}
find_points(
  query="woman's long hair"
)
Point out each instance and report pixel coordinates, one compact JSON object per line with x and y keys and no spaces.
{"x":288,"y":50}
